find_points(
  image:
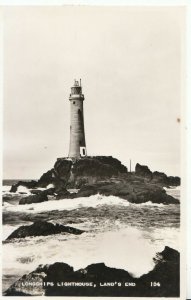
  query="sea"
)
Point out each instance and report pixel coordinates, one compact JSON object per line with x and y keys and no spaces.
{"x":121,"y":234}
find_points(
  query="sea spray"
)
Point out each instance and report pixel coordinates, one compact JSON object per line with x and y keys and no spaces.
{"x":68,"y":204}
{"x":127,"y":237}
{"x":128,"y":248}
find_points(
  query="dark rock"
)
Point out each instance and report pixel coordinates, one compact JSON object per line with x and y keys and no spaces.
{"x":57,"y":272}
{"x":42,"y":228}
{"x":156,"y":177}
{"x":143,"y":171}
{"x":22,"y":286}
{"x":12,"y":198}
{"x":165,"y":180}
{"x":168,"y":254}
{"x":49,"y":191}
{"x":75,"y":174}
{"x":56,"y":269}
{"x":174,"y":180}
{"x":47,"y":178}
{"x":135,"y":192}
{"x":62,"y":193}
{"x":101,"y":174}
{"x":165,"y":274}
{"x":34,"y":198}
{"x":62,"y":170}
{"x":28,"y":184}
{"x":36,"y":191}
{"x":159,"y":177}
{"x":39,"y":196}
{"x":100,"y":272}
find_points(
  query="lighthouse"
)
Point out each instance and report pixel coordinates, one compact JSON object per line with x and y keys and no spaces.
{"x":77,"y":135}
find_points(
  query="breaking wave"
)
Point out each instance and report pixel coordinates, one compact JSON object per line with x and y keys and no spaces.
{"x":120,"y":234}
{"x":68,"y":204}
{"x":127,"y":248}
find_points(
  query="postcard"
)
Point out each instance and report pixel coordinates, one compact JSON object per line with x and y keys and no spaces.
{"x":92,"y":201}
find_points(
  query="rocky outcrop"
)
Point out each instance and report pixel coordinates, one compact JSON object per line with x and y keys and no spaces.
{"x":166,"y":272}
{"x":50,"y":280}
{"x":133,"y":191}
{"x":12,"y":198}
{"x":105,"y":175}
{"x":87,"y":170}
{"x":41,"y":197}
{"x":174,"y":181}
{"x":156,"y":177}
{"x":74,"y":173}
{"x":42,"y":228}
{"x":143,"y":171}
{"x":28,"y":184}
{"x":46,"y":179}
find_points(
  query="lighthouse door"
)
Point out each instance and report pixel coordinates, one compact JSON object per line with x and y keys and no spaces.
{"x":82,"y":151}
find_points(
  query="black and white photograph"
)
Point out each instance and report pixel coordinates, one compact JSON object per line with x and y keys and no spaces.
{"x":92,"y":116}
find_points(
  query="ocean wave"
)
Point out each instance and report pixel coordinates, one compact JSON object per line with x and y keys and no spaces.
{"x":6,"y":204}
{"x":76,"y":203}
{"x":23,"y":189}
{"x":6,"y":188}
{"x":149,"y":203}
{"x":128,"y":248}
{"x":173,"y":188}
{"x":7,"y":230}
{"x":69,"y":204}
{"x":173,"y":191}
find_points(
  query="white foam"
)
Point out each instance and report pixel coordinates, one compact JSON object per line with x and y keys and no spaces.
{"x":6,"y":188}
{"x":23,"y":189}
{"x":6,"y":204}
{"x":172,"y":188}
{"x":8,"y":229}
{"x":69,"y":204}
{"x":149,"y":203}
{"x":167,"y":237}
{"x":128,"y":248}
{"x":173,"y":191}
{"x":39,"y":188}
{"x":49,"y":186}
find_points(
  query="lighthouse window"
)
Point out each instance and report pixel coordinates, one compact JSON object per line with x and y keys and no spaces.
{"x":84,"y":152}
{"x":74,"y":102}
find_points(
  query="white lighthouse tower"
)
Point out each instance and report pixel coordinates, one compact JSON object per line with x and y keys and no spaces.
{"x":77,"y":135}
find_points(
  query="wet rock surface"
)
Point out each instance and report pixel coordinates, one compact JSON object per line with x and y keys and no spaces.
{"x":42,"y":228}
{"x":133,"y":191}
{"x":28,"y":184}
{"x":156,"y":177}
{"x":74,"y":173}
{"x":41,"y":197}
{"x":59,"y":279}
{"x":104,"y":175}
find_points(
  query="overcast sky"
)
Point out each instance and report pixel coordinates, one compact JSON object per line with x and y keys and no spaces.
{"x":129,"y":60}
